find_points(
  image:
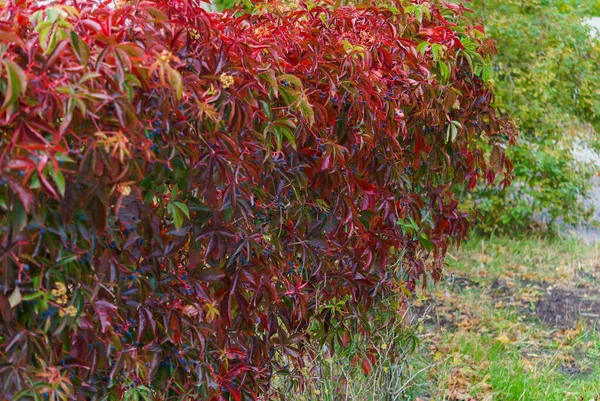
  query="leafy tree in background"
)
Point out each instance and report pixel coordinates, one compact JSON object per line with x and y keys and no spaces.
{"x":547,"y":77}
{"x":586,"y":7}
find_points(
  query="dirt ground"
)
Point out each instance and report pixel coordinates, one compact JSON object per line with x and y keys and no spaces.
{"x":514,"y":324}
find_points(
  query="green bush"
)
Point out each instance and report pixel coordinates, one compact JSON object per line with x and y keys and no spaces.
{"x":547,"y":79}
{"x":589,"y":7}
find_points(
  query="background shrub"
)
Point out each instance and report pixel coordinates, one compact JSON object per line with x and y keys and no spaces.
{"x":184,"y":193}
{"x":547,"y":77}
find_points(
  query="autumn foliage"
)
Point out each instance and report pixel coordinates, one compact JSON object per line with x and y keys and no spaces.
{"x":183,"y":192}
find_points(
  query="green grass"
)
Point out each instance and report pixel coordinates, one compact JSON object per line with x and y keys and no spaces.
{"x":506,"y":352}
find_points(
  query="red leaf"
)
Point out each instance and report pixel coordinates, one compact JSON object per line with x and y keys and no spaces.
{"x":70,"y":203}
{"x":22,"y":191}
{"x":5,"y":310}
{"x":45,"y":184}
{"x":104,"y":309}
{"x":209,"y":275}
{"x":97,"y":213}
{"x":326,"y":162}
{"x":175,"y":323}
{"x":18,"y":164}
{"x":366,"y":366}
{"x":369,"y":188}
{"x":235,"y":393}
{"x":142,"y":324}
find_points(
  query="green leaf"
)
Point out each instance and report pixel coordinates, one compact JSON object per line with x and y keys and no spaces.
{"x":88,"y":76}
{"x":427,"y":244}
{"x":59,"y":180}
{"x":470,"y":61}
{"x":294,"y":80}
{"x":53,"y":13}
{"x":451,"y":133}
{"x":33,"y":296}
{"x":17,"y":83}
{"x":55,"y":37}
{"x":267,"y":109}
{"x":444,"y":70}
{"x":307,"y":111}
{"x":66,"y":260}
{"x":175,"y":191}
{"x":228,"y":214}
{"x":285,"y":121}
{"x":486,"y":73}
{"x":437,"y":51}
{"x":81,"y":49}
{"x":323,"y":205}
{"x":183,"y":207}
{"x":422,"y":47}
{"x":289,"y":135}
{"x":176,"y":82}
{"x":278,"y":138}
{"x":351,"y":48}
{"x":19,"y":216}
{"x":289,"y":96}
{"x":269,"y":76}
{"x":177,"y":216}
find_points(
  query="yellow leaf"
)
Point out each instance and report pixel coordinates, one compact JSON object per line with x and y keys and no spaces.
{"x":571,"y":334}
{"x":211,"y":311}
{"x":503,"y":338}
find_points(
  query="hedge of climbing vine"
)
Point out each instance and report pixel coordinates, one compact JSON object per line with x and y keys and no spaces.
{"x":183,"y":192}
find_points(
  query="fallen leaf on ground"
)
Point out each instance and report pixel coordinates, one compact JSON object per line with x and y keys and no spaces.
{"x":467,"y":323}
{"x":458,"y":385}
{"x":483,"y":258}
{"x":573,"y":333}
{"x":503,"y":338}
{"x":527,"y":365}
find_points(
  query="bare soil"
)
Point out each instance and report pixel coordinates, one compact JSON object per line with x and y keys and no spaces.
{"x":556,"y":307}
{"x":566,"y":307}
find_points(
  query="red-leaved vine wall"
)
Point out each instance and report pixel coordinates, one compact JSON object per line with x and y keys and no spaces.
{"x":180,"y":191}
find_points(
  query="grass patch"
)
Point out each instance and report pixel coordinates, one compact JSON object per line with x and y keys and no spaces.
{"x":516,"y":322}
{"x":514,"y":319}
